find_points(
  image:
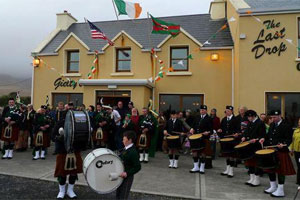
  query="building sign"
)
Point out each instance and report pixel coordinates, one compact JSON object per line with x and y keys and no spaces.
{"x":264,"y":44}
{"x":65,"y":83}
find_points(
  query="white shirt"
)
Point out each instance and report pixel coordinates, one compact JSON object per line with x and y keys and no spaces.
{"x":116,"y":116}
{"x":128,"y":146}
{"x":229,"y":117}
{"x":279,"y":122}
{"x":254,"y":119}
{"x":202,"y":116}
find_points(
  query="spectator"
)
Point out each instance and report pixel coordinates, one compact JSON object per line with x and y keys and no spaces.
{"x":121,"y":110}
{"x":216,"y":127}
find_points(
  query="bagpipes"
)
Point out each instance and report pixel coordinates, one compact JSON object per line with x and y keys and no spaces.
{"x":150,"y":106}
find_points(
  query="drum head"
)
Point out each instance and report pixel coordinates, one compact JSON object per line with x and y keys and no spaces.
{"x":195,"y":136}
{"x":241,"y":145}
{"x":264,"y":151}
{"x":226,"y":139}
{"x":68,"y":129}
{"x":173,"y":137}
{"x":100,"y":167}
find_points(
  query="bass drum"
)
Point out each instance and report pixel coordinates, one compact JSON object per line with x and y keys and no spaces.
{"x":101,"y":169}
{"x":77,"y":130}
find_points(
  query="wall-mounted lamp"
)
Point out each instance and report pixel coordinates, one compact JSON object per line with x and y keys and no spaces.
{"x":214,"y":57}
{"x":36,"y":62}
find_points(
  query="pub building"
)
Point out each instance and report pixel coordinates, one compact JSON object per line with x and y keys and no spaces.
{"x":253,"y":62}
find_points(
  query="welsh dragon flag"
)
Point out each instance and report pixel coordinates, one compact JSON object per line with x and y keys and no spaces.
{"x":162,"y":27}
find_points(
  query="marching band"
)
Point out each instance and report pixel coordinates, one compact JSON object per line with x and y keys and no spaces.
{"x":262,"y":148}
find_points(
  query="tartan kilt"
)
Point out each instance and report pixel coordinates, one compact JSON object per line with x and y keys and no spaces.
{"x":60,"y":165}
{"x":207,"y":149}
{"x":251,"y":162}
{"x":105,"y":136}
{"x":46,"y":140}
{"x":285,"y":166}
{"x":15,"y":134}
{"x":148,"y":141}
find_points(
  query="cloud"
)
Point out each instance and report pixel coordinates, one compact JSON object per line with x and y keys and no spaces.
{"x":24,"y":24}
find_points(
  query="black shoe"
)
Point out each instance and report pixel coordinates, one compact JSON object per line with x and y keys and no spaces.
{"x":201,"y":172}
{"x":222,"y":174}
{"x":229,"y":176}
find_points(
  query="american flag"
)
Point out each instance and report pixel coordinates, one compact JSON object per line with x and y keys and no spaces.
{"x":96,"y":33}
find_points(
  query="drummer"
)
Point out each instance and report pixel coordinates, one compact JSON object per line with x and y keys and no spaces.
{"x":61,"y":172}
{"x":255,"y":131}
{"x":280,"y":134}
{"x":131,"y":162}
{"x":229,"y":127}
{"x":174,"y":126}
{"x":202,"y":124}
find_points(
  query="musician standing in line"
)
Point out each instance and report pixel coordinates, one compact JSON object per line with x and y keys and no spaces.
{"x":100,"y":125}
{"x":202,"y":124}
{"x":42,"y":129}
{"x":174,"y":126}
{"x":10,"y":128}
{"x":280,"y":134}
{"x":229,"y":126}
{"x":254,"y":132}
{"x":60,"y":115}
{"x":30,"y":119}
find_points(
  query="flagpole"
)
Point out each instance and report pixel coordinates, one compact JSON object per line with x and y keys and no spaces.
{"x":153,"y":61}
{"x":115,"y":9}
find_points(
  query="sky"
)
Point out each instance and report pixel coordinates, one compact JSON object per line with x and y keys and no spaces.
{"x":25,"y":23}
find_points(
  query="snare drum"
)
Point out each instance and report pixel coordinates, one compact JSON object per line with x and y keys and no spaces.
{"x":245,"y":150}
{"x":173,"y":142}
{"x":101,"y":169}
{"x":227,"y":145}
{"x":196,"y":142}
{"x":266,"y":158}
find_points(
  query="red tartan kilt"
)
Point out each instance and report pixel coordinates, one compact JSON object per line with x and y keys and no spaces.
{"x":207,"y":150}
{"x":60,"y":165}
{"x":14,"y":137}
{"x":250,"y":162}
{"x":105,"y":136}
{"x":46,"y":140}
{"x":148,"y":141}
{"x":285,"y":165}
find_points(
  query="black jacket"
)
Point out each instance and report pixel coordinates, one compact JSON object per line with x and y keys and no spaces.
{"x":202,"y":125}
{"x":230,"y":127}
{"x":177,"y":126}
{"x":255,"y":130}
{"x":280,"y":134}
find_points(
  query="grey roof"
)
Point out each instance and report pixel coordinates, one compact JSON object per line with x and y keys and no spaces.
{"x":259,"y":6}
{"x":201,"y":27}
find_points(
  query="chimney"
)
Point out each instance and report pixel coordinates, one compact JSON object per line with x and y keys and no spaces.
{"x":64,"y":20}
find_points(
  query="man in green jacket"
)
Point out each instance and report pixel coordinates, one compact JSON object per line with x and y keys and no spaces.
{"x":131,"y":163}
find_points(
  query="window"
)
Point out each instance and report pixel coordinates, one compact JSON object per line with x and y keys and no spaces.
{"x":288,"y":103}
{"x":298,"y":36}
{"x":179,"y":58}
{"x":123,"y":60}
{"x":180,"y":102}
{"x":73,"y":62}
{"x":76,"y":98}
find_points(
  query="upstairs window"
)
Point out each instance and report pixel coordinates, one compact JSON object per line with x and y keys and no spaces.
{"x":73,"y":62}
{"x":123,"y":60}
{"x":179,"y":58}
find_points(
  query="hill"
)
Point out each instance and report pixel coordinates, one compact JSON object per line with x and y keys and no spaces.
{"x":9,"y":83}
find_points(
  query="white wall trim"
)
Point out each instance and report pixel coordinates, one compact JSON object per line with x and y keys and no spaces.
{"x":127,"y":35}
{"x":67,"y":38}
{"x":121,"y":82}
{"x":185,"y":33}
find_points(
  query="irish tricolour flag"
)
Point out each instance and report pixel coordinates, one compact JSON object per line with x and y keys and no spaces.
{"x":133,"y":10}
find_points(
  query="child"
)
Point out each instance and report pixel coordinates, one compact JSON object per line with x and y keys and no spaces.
{"x":174,"y":127}
{"x":131,"y":163}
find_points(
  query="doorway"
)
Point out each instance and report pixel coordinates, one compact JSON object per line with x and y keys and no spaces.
{"x":113,"y":97}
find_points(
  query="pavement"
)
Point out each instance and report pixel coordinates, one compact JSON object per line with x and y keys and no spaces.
{"x":156,"y":178}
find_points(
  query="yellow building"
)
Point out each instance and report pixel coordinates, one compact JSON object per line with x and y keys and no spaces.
{"x":254,"y":61}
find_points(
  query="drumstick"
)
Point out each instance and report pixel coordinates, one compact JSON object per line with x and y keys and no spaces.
{"x":231,"y":135}
{"x":266,"y":147}
{"x":250,"y":140}
{"x":178,"y":133}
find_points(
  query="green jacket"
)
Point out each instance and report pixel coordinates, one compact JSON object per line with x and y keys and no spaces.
{"x":131,"y":161}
